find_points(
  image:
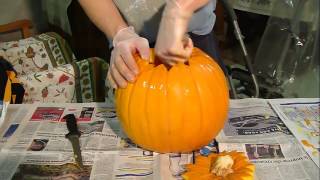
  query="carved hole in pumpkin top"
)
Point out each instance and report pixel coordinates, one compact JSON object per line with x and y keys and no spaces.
{"x":168,"y":67}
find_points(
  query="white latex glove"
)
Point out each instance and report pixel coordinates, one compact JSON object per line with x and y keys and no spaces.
{"x":172,"y":44}
{"x":123,"y":67}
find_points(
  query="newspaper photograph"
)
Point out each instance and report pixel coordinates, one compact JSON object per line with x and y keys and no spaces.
{"x":277,"y":160}
{"x":302,"y":117}
{"x":252,"y":120}
{"x":64,"y":171}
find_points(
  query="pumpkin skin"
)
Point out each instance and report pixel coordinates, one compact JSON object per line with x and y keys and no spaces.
{"x":174,"y":110}
{"x":242,"y":168}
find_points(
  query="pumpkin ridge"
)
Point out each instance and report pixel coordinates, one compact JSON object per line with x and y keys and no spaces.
{"x":200,"y":66}
{"x":171,"y":104}
{"x":219,"y":91}
{"x":168,"y":110}
{"x":165,"y":106}
{"x":129,"y":123}
{"x":212,"y":89}
{"x":184,"y":140}
{"x":186,"y":72}
{"x":147,"y":130}
{"x":200,"y":99}
{"x":134,"y":133}
{"x":122,"y":96}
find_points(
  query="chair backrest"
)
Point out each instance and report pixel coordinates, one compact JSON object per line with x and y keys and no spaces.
{"x":23,"y":25}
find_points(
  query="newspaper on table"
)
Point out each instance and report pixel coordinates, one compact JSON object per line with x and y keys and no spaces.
{"x":255,"y":129}
{"x":107,"y":165}
{"x":98,"y":124}
{"x":277,"y":160}
{"x":252,"y":120}
{"x":33,"y":144}
{"x":11,"y":121}
{"x":302,"y":117}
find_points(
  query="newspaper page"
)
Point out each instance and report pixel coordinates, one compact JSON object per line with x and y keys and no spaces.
{"x":172,"y":166}
{"x":44,"y":129}
{"x":111,"y":165}
{"x":33,"y":145}
{"x":38,"y":147}
{"x":252,"y":120}
{"x":302,"y":117}
{"x":278,"y":160}
{"x":11,"y":122}
{"x":255,"y":129}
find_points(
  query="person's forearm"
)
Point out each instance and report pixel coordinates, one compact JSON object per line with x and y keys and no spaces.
{"x":105,"y":15}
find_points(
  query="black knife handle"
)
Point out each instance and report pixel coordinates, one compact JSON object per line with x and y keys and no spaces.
{"x":71,"y":124}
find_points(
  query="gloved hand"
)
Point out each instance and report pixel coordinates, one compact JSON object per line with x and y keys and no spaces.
{"x":172,"y":45}
{"x":123,"y":67}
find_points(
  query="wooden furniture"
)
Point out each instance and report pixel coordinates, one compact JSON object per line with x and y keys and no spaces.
{"x":23,"y":25}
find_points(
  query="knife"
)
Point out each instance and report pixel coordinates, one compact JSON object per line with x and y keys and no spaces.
{"x":73,"y":137}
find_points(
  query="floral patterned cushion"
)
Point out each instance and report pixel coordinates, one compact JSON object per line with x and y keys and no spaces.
{"x":49,"y":72}
{"x":55,"y":85}
{"x":81,"y":81}
{"x":42,"y":52}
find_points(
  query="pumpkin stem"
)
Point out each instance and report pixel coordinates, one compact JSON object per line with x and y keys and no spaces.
{"x":222,"y":166}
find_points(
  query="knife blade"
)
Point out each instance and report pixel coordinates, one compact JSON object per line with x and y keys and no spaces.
{"x":73,"y":137}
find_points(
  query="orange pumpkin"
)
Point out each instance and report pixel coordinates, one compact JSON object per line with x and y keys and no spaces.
{"x":177,"y":109}
{"x":223,"y":166}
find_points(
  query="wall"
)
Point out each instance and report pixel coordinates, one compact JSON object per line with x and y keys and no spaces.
{"x":11,"y":10}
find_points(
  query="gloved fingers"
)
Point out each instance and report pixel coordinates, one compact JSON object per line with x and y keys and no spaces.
{"x":117,"y":77}
{"x":180,"y":53}
{"x":111,"y":80}
{"x":125,"y":52}
{"x":177,"y":54}
{"x":143,"y":48}
{"x":183,"y":49}
{"x":188,"y":46}
{"x":123,"y":69}
{"x":171,"y":60}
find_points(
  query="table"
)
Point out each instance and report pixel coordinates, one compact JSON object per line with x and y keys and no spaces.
{"x":32,"y":144}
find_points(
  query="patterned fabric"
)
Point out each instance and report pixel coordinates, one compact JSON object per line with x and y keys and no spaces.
{"x":49,"y":73}
{"x":82,"y":81}
{"x":39,"y":53}
{"x":90,"y":79}
{"x":55,"y":85}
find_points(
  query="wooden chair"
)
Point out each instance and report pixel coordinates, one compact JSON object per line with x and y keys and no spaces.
{"x":23,"y":25}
